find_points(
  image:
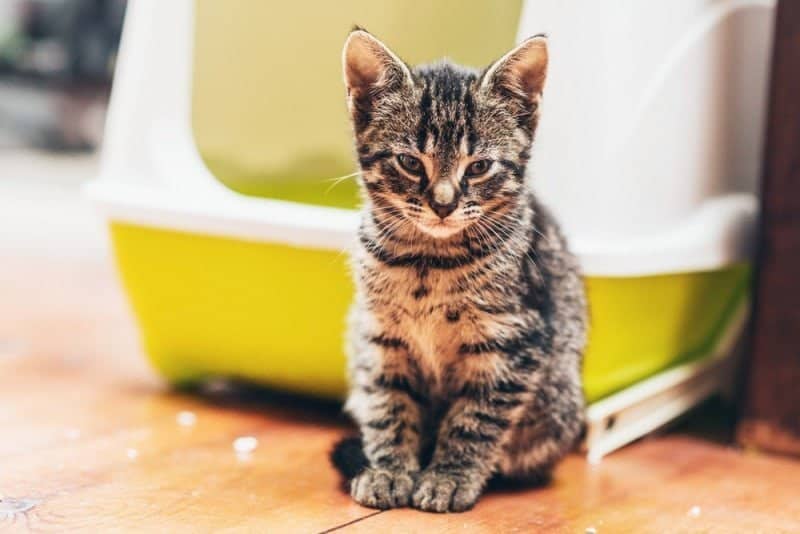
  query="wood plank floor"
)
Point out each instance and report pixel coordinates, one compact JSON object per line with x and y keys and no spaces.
{"x":90,"y":442}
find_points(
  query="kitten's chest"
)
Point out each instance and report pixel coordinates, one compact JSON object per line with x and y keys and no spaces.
{"x":432,"y":316}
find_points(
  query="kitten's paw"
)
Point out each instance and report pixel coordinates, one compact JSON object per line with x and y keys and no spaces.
{"x":441,"y":492}
{"x":381,"y":488}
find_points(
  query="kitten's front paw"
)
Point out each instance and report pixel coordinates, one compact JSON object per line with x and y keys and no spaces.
{"x":381,"y":488}
{"x":442,"y":492}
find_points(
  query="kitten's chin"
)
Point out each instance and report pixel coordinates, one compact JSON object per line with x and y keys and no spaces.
{"x":441,"y":230}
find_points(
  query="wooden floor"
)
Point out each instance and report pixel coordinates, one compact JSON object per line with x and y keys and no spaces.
{"x":90,"y":442}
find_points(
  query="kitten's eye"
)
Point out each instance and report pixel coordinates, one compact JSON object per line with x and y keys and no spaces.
{"x":410,"y":163}
{"x":476,"y":168}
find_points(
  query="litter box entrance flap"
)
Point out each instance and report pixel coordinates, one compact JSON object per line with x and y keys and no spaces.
{"x":268,"y":110}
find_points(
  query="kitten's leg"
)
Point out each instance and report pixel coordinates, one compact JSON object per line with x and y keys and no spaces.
{"x":547,"y":431}
{"x":387,"y":410}
{"x":469,"y":446}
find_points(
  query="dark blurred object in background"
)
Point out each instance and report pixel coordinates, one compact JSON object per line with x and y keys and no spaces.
{"x":56,"y":64}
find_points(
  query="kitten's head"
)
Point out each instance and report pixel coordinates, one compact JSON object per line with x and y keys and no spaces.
{"x":442,"y":146}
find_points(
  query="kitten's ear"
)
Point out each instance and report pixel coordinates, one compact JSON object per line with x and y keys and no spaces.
{"x":521,"y":72}
{"x":370,"y":68}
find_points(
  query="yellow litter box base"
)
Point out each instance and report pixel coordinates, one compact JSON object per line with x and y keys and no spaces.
{"x":275,"y":315}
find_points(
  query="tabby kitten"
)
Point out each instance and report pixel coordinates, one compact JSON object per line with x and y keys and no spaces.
{"x":469,"y":322}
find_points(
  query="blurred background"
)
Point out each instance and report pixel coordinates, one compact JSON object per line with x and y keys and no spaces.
{"x":56,"y":63}
{"x":57,"y":58}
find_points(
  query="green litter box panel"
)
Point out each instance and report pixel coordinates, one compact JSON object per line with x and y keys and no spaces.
{"x":273,"y":314}
{"x":269,"y":113}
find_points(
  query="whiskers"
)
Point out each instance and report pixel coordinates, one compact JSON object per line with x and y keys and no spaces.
{"x":503,"y":229}
{"x":402,"y":226}
{"x":338,"y":180}
{"x":391,"y":223}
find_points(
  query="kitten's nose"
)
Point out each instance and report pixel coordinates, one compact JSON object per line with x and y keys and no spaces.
{"x":443,"y":210}
{"x":444,"y":199}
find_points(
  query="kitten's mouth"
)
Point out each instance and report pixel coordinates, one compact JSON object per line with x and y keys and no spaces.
{"x":441,"y":228}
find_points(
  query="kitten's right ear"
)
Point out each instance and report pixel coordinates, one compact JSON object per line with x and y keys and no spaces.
{"x":370,"y":68}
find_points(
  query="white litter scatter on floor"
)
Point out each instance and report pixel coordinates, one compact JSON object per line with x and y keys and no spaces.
{"x":694,"y":511}
{"x":186,"y":418}
{"x":132,"y":454}
{"x":245,"y":444}
{"x":10,"y":507}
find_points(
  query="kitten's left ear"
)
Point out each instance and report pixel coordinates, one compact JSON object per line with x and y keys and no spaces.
{"x":521,"y":72}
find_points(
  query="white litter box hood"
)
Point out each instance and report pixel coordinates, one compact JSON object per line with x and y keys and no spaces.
{"x":653,"y":113}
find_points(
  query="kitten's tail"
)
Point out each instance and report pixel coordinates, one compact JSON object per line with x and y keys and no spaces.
{"x":347,"y":456}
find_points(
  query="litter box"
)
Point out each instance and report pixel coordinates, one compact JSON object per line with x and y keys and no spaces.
{"x":231,"y":237}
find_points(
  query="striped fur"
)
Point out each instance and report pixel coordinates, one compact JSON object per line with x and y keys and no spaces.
{"x":469,"y":322}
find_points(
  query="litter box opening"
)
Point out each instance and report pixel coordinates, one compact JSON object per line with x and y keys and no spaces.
{"x":274,"y":125}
